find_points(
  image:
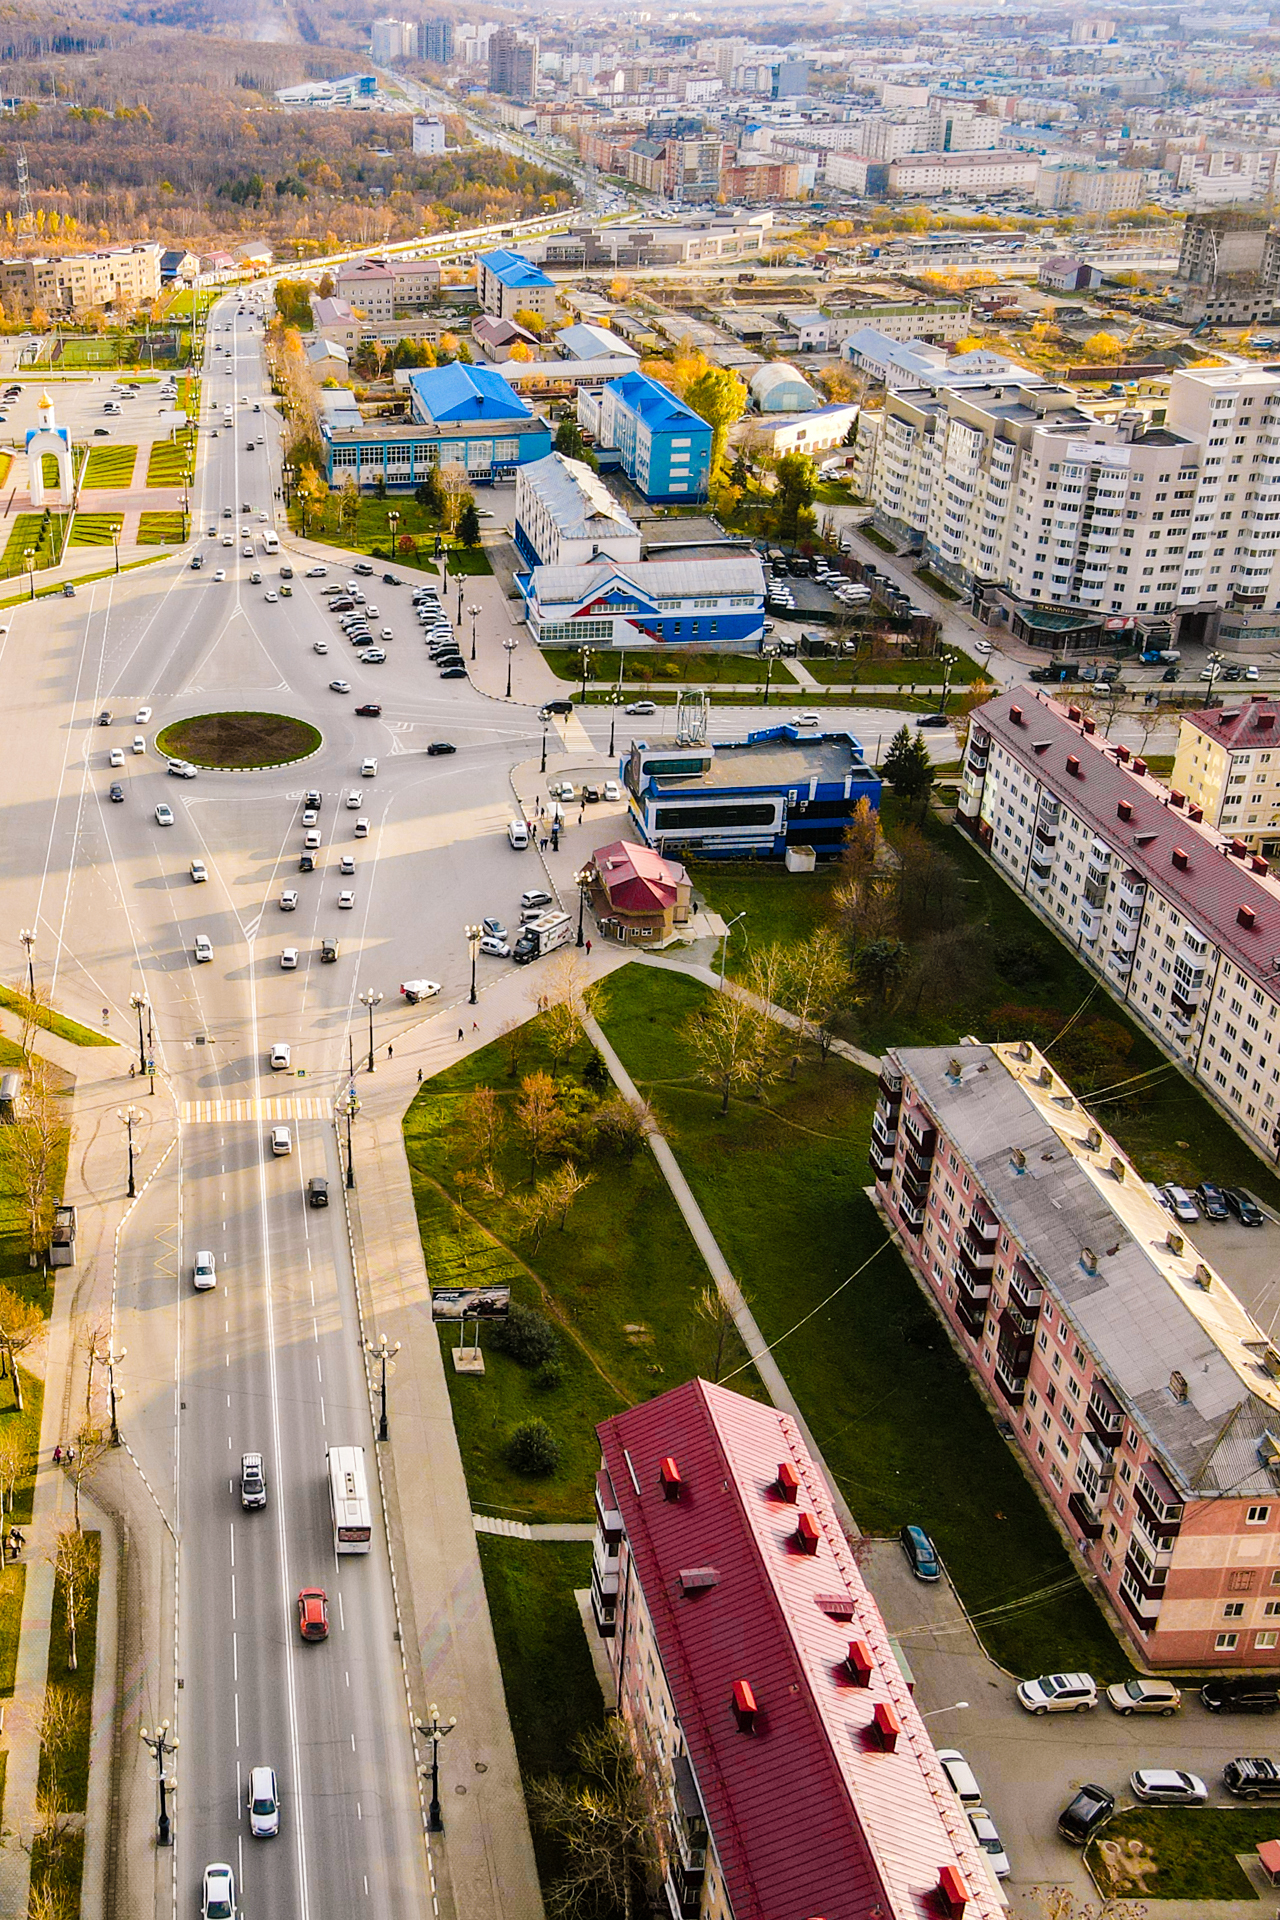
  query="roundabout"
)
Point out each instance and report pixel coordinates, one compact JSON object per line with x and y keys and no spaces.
{"x":237,"y":742}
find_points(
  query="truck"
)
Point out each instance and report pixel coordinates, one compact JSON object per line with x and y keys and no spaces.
{"x":62,"y":1241}
{"x":543,"y":935}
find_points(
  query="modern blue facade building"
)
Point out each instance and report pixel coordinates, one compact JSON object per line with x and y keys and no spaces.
{"x":712,"y":605}
{"x":460,"y":416}
{"x":663,"y":447}
{"x":777,"y":792}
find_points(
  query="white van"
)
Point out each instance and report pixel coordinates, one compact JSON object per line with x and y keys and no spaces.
{"x":518,"y":835}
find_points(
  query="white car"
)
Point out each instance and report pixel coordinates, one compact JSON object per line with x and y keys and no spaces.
{"x":339,"y":686}
{"x":805,"y":720}
{"x":362,"y":828}
{"x":961,"y":1775}
{"x":263,"y":1803}
{"x":491,"y":944}
{"x":1058,"y":1693}
{"x":415,"y":990}
{"x":386,"y":634}
{"x":204,"y":1273}
{"x":355,"y":798}
{"x":289,"y":959}
{"x":316,"y":573}
{"x":219,"y":573}
{"x":612,"y":791}
{"x":988,"y":1838}
{"x":139,"y":743}
{"x":142,"y":716}
{"x":346,"y":899}
{"x":982,"y":646}
{"x":117,"y":756}
{"x":271,"y":596}
{"x":164,"y":815}
{"x":563,"y":790}
{"x":203,"y":948}
{"x":289,"y":900}
{"x":1168,"y":1786}
{"x":320,"y":646}
{"x":310,"y":817}
{"x":219,"y":1902}
{"x":347,"y":863}
{"x":199,"y":871}
{"x":183,"y":770}
{"x":279,"y":1056}
{"x":311,"y":839}
{"x":281,"y":1140}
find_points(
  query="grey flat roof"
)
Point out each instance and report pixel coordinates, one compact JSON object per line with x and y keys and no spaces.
{"x":825,"y":757}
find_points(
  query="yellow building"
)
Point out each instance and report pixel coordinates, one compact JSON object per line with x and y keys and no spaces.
{"x":1228,"y":763}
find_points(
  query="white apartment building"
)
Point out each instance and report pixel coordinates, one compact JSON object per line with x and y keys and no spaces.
{"x":428,"y":136}
{"x":1228,"y":763}
{"x":1181,"y":922}
{"x":930,"y":173}
{"x":1228,"y":176}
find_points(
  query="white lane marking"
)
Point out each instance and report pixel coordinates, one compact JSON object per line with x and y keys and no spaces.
{"x":233,"y":1596}
{"x":237,"y":1708}
{"x":342,"y":1618}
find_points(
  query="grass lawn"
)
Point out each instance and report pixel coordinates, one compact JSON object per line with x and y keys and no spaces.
{"x":161,"y":529}
{"x":13,"y":1584}
{"x":877,"y":539}
{"x":59,"y":1023}
{"x":1193,"y":1849}
{"x":169,"y":459}
{"x":32,"y":530}
{"x":72,"y":1766}
{"x":59,"y":1877}
{"x":941,"y":587}
{"x":110,"y":466}
{"x":369,"y":531}
{"x":551,"y":1687}
{"x":640,"y":670}
{"x":620,"y":1284}
{"x":95,"y":529}
{"x":863,"y":672}
{"x":778,"y":905}
{"x":239,"y":739}
{"x":901,"y":1427}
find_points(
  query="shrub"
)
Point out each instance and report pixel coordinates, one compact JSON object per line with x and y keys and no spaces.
{"x":549,"y":1376}
{"x":526,"y":1335}
{"x":1022,"y":960}
{"x":595,"y":1073}
{"x":533,"y":1448}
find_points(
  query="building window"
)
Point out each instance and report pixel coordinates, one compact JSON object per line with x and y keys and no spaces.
{"x":1258,"y":1516}
{"x":1234,"y":1610}
{"x":1226,"y":1641}
{"x":1263,"y":1640}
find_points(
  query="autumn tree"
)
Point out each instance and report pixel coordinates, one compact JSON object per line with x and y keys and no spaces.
{"x":91,"y":1445}
{"x":814,"y":980}
{"x":30,"y":1151}
{"x":714,"y":1311}
{"x":719,"y":397}
{"x":21,"y":1326}
{"x":538,"y":1116}
{"x":74,"y":1560}
{"x":453,"y":487}
{"x":480,"y":1126}
{"x":720,"y":1037}
{"x":15,"y":1459}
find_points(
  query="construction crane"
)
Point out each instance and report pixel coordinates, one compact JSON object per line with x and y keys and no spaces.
{"x":25,"y":216}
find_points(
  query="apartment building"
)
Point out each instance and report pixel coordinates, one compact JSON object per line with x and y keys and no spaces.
{"x":513,"y":64}
{"x":1229,"y":267}
{"x":1142,"y":1394}
{"x":369,"y":286}
{"x":566,"y":516}
{"x":755,"y":1674}
{"x":1092,"y":189}
{"x":507,"y":284}
{"x":1228,"y":763}
{"x":1180,"y":921}
{"x":936,"y":321}
{"x":931,"y":173}
{"x":76,"y":282}
{"x":435,"y":41}
{"x":662,"y":445}
{"x":428,"y":136}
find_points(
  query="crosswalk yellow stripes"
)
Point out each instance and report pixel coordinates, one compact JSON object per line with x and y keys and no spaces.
{"x":223,"y":1110}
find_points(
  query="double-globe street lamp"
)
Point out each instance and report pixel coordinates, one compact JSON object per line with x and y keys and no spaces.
{"x":475,"y":615}
{"x":161,"y":1745}
{"x":349,"y":1106}
{"x":584,"y":879}
{"x":435,"y":1731}
{"x":474,"y":937}
{"x":370,"y":999}
{"x":509,"y":646}
{"x":384,"y":1353}
{"x":138,"y":1001}
{"x":27,"y":938}
{"x":130,"y":1117}
{"x":111,"y":1360}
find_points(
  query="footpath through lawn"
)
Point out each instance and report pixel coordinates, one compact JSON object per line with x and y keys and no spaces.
{"x":901,"y":1427}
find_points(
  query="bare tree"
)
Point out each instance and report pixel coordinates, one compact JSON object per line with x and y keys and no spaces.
{"x":480,"y":1125}
{"x":567,"y":1183}
{"x":29,"y":1149}
{"x":712,"y":1307}
{"x":21,"y":1326}
{"x":766,"y":1042}
{"x":91,"y":1443}
{"x":511,"y":1034}
{"x":607,"y":1823}
{"x":59,"y":1724}
{"x":74,"y":1560}
{"x":720,"y":1037}
{"x":815,"y":982}
{"x":15,"y":1458}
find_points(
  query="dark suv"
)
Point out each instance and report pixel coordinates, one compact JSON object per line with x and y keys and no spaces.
{"x":1081,"y":1817}
{"x":1244,"y":1695}
{"x":1211,"y":1201}
{"x":1252,"y":1779}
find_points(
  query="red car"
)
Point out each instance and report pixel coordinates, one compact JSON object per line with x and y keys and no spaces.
{"x":313,"y":1613}
{"x":370,"y":710}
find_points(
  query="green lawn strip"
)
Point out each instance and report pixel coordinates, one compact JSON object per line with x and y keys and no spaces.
{"x":13,"y":1584}
{"x":878,"y":539}
{"x":95,"y":529}
{"x":925,"y":670}
{"x":26,"y":1423}
{"x":71,"y":1768}
{"x":58,"y":1873}
{"x":169,"y":459}
{"x":110,"y":466}
{"x":620,"y":1283}
{"x":161,"y":529}
{"x":81,"y":580}
{"x":779,"y":906}
{"x":1194,"y":1850}
{"x":368,"y":530}
{"x":59,"y":1023}
{"x":892,"y":1408}
{"x":938,"y":585}
{"x":35,"y":532}
{"x":640,"y":669}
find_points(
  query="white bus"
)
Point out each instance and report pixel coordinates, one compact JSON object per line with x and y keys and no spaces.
{"x":270,"y":541}
{"x":349,"y":1500}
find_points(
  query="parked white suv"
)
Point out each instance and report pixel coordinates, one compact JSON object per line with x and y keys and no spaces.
{"x":1058,"y":1693}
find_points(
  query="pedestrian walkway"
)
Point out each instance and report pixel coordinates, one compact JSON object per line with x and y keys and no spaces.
{"x":548,"y":1530}
{"x":676,"y":963}
{"x":289,"y":1108}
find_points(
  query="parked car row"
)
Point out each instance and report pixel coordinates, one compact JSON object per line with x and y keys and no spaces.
{"x":1208,"y":1201}
{"x":1092,"y":1806}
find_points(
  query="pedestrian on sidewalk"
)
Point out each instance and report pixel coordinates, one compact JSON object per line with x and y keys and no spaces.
{"x":588,"y":949}
{"x":461,"y":1035}
{"x":419,"y":1076}
{"x":70,"y":1456}
{"x":57,"y":1452}
{"x":389,"y":1054}
{"x":475,"y":1026}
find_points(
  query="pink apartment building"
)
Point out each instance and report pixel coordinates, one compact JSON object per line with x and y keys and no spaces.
{"x":1143,"y":1395}
{"x":753,"y":1664}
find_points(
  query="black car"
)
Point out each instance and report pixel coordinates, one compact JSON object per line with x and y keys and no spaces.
{"x":391,"y":580}
{"x":116,"y":791}
{"x":312,"y":797}
{"x":1252,"y":1779}
{"x":1082,"y":1817}
{"x":306,"y":863}
{"x":1244,"y":1207}
{"x":441,"y":746}
{"x":551,"y":707}
{"x":317,"y":1191}
{"x":342,"y":605}
{"x":1209,"y":1199}
{"x":591,"y":794}
{"x":370,"y":710}
{"x":1169,"y":675}
{"x":922,"y":1555}
{"x":1244,"y":1695}
{"x":933,"y":720}
{"x":454,"y":673}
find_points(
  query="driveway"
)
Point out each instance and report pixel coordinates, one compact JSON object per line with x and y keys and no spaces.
{"x":1030,"y":1767}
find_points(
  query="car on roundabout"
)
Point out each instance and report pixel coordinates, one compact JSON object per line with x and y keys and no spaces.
{"x":435,"y":747}
{"x":164,"y":815}
{"x":415,"y":990}
{"x":339,"y":686}
{"x":370,"y":710}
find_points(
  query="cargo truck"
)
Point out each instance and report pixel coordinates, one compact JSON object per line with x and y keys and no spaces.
{"x":543,"y":935}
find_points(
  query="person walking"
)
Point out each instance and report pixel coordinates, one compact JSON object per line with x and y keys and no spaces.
{"x":588,"y":949}
{"x":389,"y":1053}
{"x":461,"y":1034}
{"x":419,"y":1076}
{"x":57,"y":1452}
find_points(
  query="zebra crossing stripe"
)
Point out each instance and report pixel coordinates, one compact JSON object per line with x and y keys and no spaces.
{"x":213,"y":1112}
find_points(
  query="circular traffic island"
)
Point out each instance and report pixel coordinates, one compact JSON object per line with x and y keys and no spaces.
{"x":230,"y":742}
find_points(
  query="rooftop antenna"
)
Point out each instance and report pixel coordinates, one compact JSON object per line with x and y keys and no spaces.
{"x":25,"y":216}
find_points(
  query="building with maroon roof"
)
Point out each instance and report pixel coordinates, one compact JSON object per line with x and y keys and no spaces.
{"x":754,"y":1667}
{"x":1181,"y":922}
{"x":638,"y":896}
{"x":1228,"y":763}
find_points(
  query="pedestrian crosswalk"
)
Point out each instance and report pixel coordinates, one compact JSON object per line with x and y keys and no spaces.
{"x":224,"y":1110}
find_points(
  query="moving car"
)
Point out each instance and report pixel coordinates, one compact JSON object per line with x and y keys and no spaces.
{"x":1058,"y":1693}
{"x":204,"y":1273}
{"x":115,"y":791}
{"x":311,"y":838}
{"x":164,"y":815}
{"x":346,"y":899}
{"x":346,"y":864}
{"x":316,"y":573}
{"x":339,"y":686}
{"x":117,"y":757}
{"x":1081,"y":1817}
{"x":362,"y":828}
{"x":203,"y":948}
{"x":289,"y":960}
{"x":369,"y":711}
{"x":183,"y":770}
{"x":219,"y":1901}
{"x":220,"y":573}
{"x":1144,"y":1696}
{"x":320,"y":646}
{"x":441,"y":746}
{"x":921,"y":1555}
{"x":317,"y":1191}
{"x":313,"y":1613}
{"x":263,"y":1803}
{"x":551,"y":707}
{"x":987,"y":1835}
{"x":641,"y":706}
{"x":281,"y":1141}
{"x":104,"y":718}
{"x":961,"y":1775}
{"x":199,"y":871}
{"x":279,"y":1056}
{"x":415,"y":990}
{"x":253,"y":1481}
{"x":1168,"y":1786}
{"x":1244,"y":1207}
{"x":289,"y":900}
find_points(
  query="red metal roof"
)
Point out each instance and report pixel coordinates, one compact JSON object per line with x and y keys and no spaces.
{"x":1212,"y":886}
{"x":809,"y":1813}
{"x":636,"y":879}
{"x":1255,"y":724}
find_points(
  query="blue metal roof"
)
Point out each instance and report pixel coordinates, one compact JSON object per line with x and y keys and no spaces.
{"x":513,"y":269}
{"x":656,"y":405}
{"x":458,"y":392}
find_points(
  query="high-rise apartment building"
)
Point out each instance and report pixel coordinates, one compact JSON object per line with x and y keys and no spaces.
{"x":393,"y":40}
{"x":513,"y":64}
{"x":435,"y":41}
{"x":1229,"y":264}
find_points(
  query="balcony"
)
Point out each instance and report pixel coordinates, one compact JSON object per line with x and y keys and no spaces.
{"x":1012,"y":1385}
{"x":972,"y":1314}
{"x":884,"y":1130}
{"x":1086,"y":1519}
{"x":1025,"y":1291}
{"x":880,"y":1160}
{"x":1021,"y":1326}
{"x":975,"y":1263}
{"x":1103,"y":1414}
{"x":912,"y":1214}
{"x":985,"y":1231}
{"x":921,"y":1138}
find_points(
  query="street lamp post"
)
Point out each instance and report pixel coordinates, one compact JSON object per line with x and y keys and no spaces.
{"x":544,"y":746}
{"x":350,"y":1107}
{"x":393,"y":521}
{"x":1215,"y":668}
{"x":138,"y":1001}
{"x":27,"y":937}
{"x":385,"y":1355}
{"x":724,"y":943}
{"x":111,"y":1360}
{"x":583,"y":878}
{"x":370,"y":999}
{"x":509,"y":647}
{"x":475,"y":615}
{"x":586,"y":662}
{"x":949,"y":659}
{"x":130,"y":1116}
{"x":117,"y":534}
{"x":29,"y":560}
{"x":435,"y":1731}
{"x":770,"y":654}
{"x":613,"y":721}
{"x":474,"y":937}
{"x":161,"y":1745}
{"x":957,"y":1706}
